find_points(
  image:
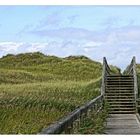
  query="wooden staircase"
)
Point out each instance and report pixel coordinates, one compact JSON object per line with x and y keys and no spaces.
{"x":120,"y":90}
{"x":119,"y":93}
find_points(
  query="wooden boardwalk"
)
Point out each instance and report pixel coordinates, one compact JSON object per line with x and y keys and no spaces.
{"x":124,"y":124}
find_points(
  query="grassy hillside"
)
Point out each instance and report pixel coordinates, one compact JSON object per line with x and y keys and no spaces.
{"x":36,"y":67}
{"x":36,"y":90}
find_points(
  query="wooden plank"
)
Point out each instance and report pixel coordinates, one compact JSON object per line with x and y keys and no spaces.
{"x":123,"y":131}
{"x":122,"y":124}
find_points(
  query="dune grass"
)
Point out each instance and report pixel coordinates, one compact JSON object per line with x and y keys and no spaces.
{"x":36,"y":90}
{"x":27,"y":108}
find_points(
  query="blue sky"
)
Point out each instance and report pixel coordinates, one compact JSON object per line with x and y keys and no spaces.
{"x":94,"y":31}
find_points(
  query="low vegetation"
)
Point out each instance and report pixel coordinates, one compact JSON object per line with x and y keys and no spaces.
{"x":95,"y":124}
{"x":36,"y":90}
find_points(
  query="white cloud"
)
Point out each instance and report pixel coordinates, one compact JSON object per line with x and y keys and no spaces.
{"x":93,"y":44}
{"x":20,"y":47}
{"x":9,"y":46}
{"x":118,"y":45}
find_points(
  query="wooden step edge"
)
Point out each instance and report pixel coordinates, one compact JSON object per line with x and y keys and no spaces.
{"x":117,"y":108}
{"x":119,"y":92}
{"x":122,"y":111}
{"x":120,"y":79}
{"x":122,"y":105}
{"x":132,"y":98}
{"x":120,"y":96}
{"x":116,"y":91}
{"x":117,"y":85}
{"x":120,"y":102}
{"x":117,"y":75}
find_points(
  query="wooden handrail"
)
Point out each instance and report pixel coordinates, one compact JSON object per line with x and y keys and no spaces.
{"x":66,"y":123}
{"x":106,"y":71}
{"x":107,"y":68}
{"x":131,"y":69}
{"x":135,"y":79}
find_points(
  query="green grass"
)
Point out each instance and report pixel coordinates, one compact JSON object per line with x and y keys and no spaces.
{"x":36,"y":90}
{"x":27,"y":108}
{"x":36,"y":67}
{"x":95,"y":124}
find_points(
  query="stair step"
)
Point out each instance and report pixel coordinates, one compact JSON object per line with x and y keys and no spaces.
{"x":119,"y":93}
{"x":119,"y":84}
{"x":120,"y":80}
{"x":121,"y":112}
{"x":123,"y":87}
{"x":118,"y":75}
{"x":123,"y":103}
{"x":120,"y":90}
{"x":120,"y":105}
{"x":118,"y":97}
{"x":122,"y":109}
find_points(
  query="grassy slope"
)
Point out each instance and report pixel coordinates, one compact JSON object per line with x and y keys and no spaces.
{"x":28,"y":68}
{"x":36,"y":90}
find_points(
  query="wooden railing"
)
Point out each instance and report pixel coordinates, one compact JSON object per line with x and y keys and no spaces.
{"x":131,"y":70}
{"x":105,"y":72}
{"x":74,"y":120}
